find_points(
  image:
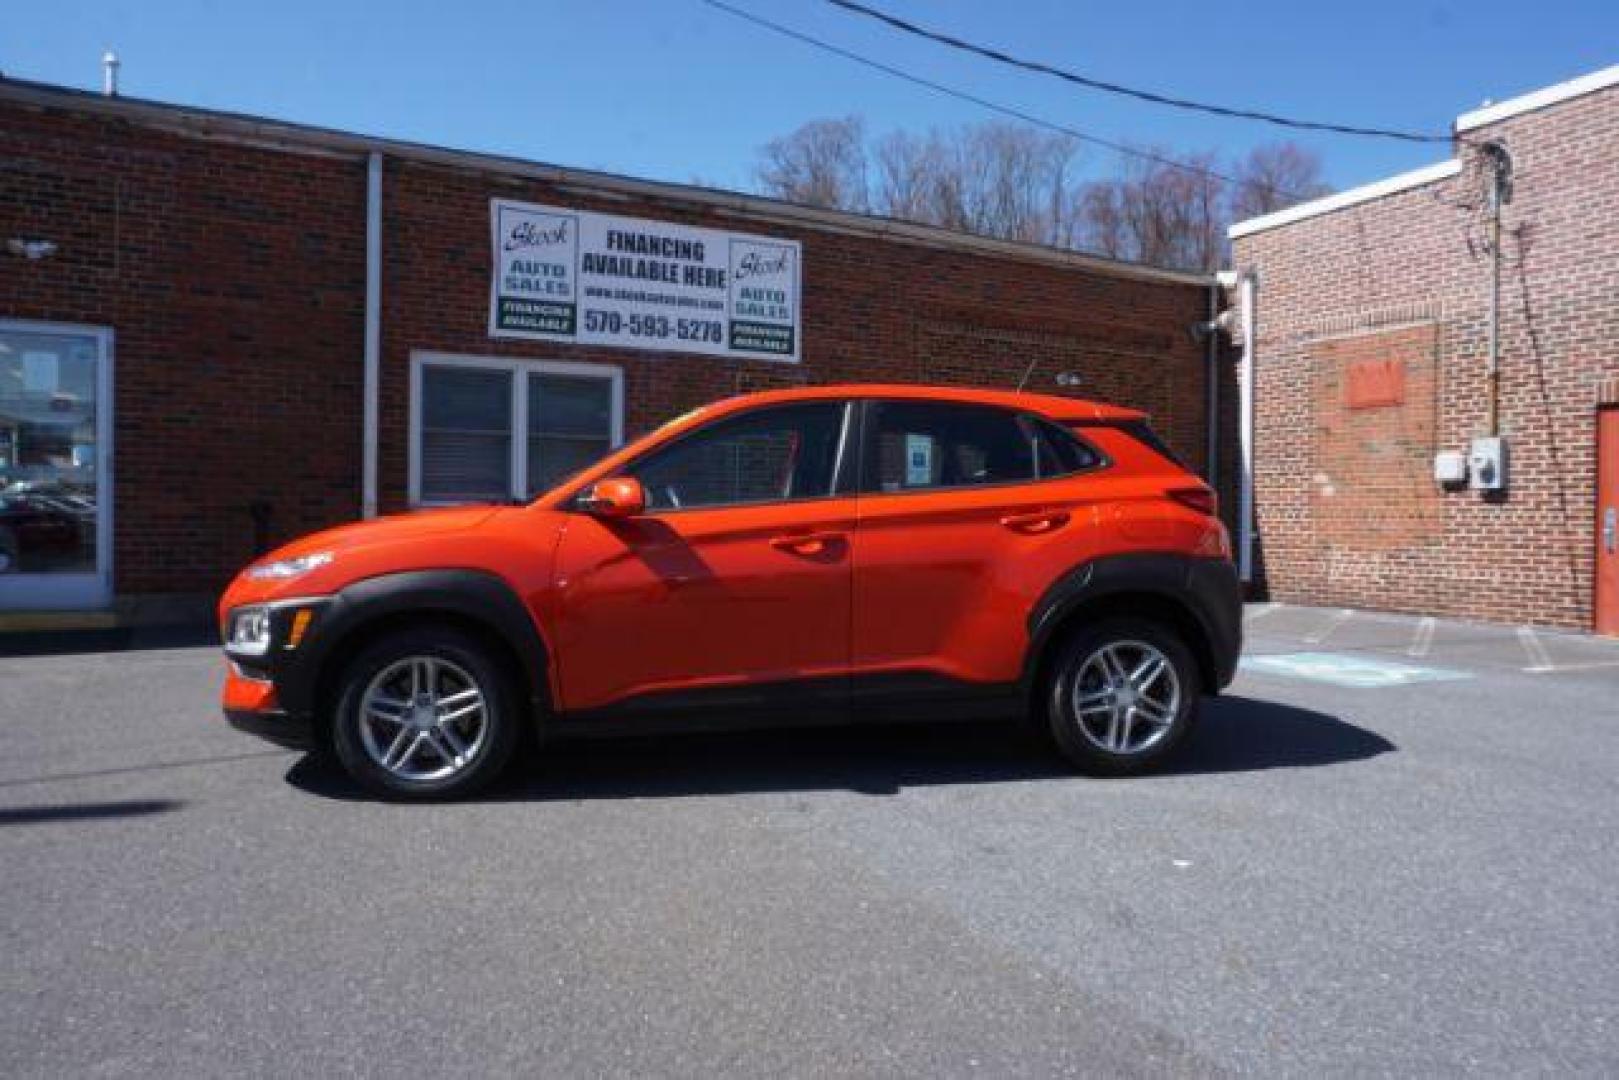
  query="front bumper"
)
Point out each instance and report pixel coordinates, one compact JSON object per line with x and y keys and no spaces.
{"x":292,"y":732}
{"x":251,"y":705}
{"x":271,"y":694}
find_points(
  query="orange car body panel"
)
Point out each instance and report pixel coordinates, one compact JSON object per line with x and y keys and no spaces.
{"x":936,"y":581}
{"x":702,"y":598}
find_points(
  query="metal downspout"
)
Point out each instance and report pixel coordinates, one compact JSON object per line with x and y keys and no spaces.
{"x":373,"y":332}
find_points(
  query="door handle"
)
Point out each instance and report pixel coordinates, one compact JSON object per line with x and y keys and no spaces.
{"x":1610,"y":529}
{"x":818,"y":543}
{"x":1042,"y":521}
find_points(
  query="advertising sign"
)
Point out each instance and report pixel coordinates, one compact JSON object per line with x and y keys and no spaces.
{"x":600,"y":279}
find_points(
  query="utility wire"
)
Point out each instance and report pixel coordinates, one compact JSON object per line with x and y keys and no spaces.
{"x":1004,"y":110}
{"x":1128,"y":91}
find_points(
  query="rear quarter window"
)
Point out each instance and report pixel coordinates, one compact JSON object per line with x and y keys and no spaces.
{"x":1060,"y":452}
{"x":1142,"y":432}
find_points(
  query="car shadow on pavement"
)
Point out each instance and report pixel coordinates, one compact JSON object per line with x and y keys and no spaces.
{"x":1234,"y":734}
{"x":107,"y":639}
{"x":1242,"y":734}
{"x":37,"y":815}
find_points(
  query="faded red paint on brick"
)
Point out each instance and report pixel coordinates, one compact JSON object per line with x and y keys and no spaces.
{"x":1374,"y":384}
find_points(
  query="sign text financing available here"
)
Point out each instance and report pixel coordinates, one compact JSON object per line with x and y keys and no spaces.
{"x":600,"y":279}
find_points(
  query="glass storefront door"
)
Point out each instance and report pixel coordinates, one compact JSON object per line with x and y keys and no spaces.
{"x":54,"y":435}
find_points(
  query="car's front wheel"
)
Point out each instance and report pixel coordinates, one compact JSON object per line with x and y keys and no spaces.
{"x":425,"y":712}
{"x":1121,"y":696}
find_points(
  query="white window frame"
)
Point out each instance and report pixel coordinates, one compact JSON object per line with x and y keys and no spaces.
{"x":88,"y":590}
{"x":517,"y":370}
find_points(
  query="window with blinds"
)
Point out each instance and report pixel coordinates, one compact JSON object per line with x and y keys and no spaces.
{"x":466,"y":435}
{"x":500,"y":429}
{"x":570,"y":424}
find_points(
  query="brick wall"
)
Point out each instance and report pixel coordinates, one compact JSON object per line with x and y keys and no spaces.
{"x":873,"y":310}
{"x":233,"y":277}
{"x":1347,"y":509}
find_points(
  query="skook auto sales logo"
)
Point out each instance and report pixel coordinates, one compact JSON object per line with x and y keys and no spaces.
{"x":530,"y":233}
{"x":759,"y":264}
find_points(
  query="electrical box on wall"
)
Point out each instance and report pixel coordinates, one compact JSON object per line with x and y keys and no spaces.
{"x":1450,"y":467}
{"x":1487,"y":464}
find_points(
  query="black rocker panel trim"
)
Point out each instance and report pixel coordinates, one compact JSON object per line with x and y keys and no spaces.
{"x":897,"y":698}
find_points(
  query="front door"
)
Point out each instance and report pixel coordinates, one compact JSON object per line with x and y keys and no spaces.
{"x":54,"y":435}
{"x":733,"y":589}
{"x":1607,"y":598}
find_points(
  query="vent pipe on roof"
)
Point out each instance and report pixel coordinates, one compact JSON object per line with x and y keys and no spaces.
{"x":109,"y":73}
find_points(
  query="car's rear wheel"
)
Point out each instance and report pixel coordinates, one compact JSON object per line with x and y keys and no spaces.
{"x":1121,"y":696}
{"x":425,"y":713}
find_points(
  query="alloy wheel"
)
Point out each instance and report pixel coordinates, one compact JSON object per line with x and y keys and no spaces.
{"x":1126,"y":697}
{"x":423,"y":718}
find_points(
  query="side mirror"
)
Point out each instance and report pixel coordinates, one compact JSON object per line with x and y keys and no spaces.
{"x":619,"y":497}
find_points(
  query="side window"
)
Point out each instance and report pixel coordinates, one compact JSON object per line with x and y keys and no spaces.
{"x":770,"y":455}
{"x":1060,"y":452}
{"x":927,"y":444}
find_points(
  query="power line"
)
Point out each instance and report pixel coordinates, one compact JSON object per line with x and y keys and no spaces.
{"x":1004,"y":110}
{"x":1128,"y":91}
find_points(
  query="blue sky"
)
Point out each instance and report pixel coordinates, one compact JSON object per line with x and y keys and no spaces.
{"x":674,"y":90}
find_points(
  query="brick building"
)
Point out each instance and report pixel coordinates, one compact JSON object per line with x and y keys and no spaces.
{"x":219,"y":331}
{"x":1372,"y":356}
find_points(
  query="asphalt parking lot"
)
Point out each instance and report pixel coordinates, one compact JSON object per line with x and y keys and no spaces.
{"x":1391,"y":849}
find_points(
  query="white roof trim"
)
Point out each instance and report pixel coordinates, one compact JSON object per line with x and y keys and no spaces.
{"x":1365,"y":193}
{"x":1551,"y":95}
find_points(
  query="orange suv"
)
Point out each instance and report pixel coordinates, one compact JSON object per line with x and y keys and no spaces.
{"x":836,"y":552}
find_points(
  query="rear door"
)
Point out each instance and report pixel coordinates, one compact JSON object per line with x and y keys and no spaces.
{"x":967,"y":512}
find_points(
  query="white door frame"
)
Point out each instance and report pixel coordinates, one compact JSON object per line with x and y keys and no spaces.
{"x":89,"y":590}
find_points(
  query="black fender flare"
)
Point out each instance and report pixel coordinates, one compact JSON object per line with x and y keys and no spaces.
{"x":474,"y":596}
{"x":1205,"y":589}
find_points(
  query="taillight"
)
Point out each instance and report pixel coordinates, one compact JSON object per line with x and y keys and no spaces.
{"x":1200,"y":498}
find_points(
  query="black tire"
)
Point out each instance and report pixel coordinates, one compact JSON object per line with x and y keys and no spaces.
{"x":456,"y":660}
{"x":1078,"y":659}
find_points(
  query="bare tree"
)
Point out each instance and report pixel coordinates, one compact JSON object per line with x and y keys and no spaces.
{"x":1273,"y":177}
{"x":909,"y":172}
{"x":1165,"y":212}
{"x":823,"y":163}
{"x":994,"y":179}
{"x":1018,"y":183}
{"x":1015,"y":181}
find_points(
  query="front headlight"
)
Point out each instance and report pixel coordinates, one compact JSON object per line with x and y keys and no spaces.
{"x":250,"y":630}
{"x":282,"y":569}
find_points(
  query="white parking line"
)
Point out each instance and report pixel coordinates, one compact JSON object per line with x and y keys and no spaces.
{"x":1539,"y":659}
{"x":1423,"y":640}
{"x":1560,"y":668}
{"x":1258,"y":611}
{"x":1332,"y":624}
